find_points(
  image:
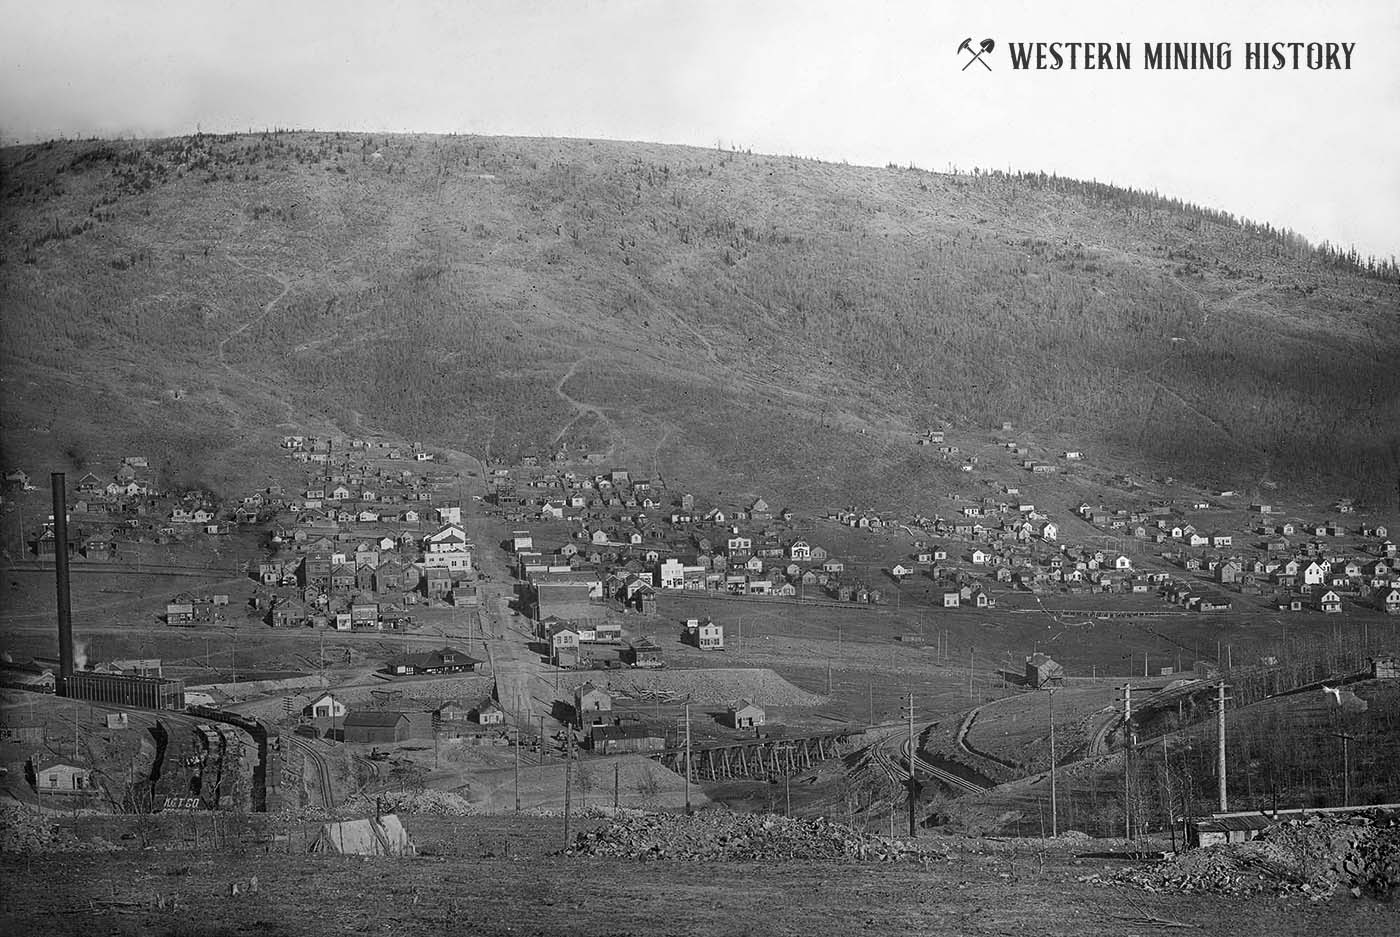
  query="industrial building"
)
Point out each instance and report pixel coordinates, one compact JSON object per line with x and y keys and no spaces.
{"x":122,"y":690}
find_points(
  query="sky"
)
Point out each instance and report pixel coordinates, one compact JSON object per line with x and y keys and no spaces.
{"x":864,"y":81}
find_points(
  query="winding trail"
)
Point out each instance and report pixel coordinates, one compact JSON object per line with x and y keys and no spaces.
{"x":266,"y":309}
{"x":583,"y":409}
{"x":287,"y":410}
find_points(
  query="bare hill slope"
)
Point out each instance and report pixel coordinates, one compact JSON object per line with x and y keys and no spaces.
{"x":765,"y":317}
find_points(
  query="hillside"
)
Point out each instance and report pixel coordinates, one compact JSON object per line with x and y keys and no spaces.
{"x":761,"y":322}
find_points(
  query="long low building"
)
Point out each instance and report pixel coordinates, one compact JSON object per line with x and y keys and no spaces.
{"x":376,"y":727}
{"x":443,"y":660}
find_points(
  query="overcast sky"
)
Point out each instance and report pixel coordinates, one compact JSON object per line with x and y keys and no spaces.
{"x":860,"y":80}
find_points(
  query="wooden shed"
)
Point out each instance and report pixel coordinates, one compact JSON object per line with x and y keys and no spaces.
{"x":1042,"y":670}
{"x":746,"y":714}
{"x":590,"y":699}
{"x":1216,"y":831}
{"x":376,"y":727}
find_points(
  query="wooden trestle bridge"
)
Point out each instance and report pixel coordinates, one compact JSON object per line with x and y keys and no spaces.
{"x":770,"y":757}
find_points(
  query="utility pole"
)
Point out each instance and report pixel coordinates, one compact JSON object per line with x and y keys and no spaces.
{"x":615,"y":784}
{"x":971,"y":663}
{"x":787,"y":782}
{"x":1346,"y":767}
{"x":517,"y":769}
{"x":687,"y":758}
{"x":828,"y":678}
{"x":1127,"y":758}
{"x":1220,"y":744}
{"x":1054,"y":795}
{"x":568,"y":779}
{"x":913,"y":783}
{"x":872,"y":702}
{"x":1167,"y":779}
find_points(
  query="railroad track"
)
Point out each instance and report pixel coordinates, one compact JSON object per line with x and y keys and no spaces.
{"x":373,"y":778}
{"x":952,"y":780}
{"x":323,"y":771}
{"x":887,"y":764}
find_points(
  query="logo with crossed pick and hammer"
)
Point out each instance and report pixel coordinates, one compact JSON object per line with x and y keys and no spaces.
{"x":985,"y":47}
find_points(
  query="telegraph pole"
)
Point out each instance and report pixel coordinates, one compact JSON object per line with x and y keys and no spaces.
{"x":1054,"y":800}
{"x":1346,"y":767}
{"x":568,"y":778}
{"x":687,"y":758}
{"x":913,"y":783}
{"x":539,"y":773}
{"x":1220,"y":744}
{"x":1127,"y":757}
{"x":517,"y":769}
{"x":1167,"y":779}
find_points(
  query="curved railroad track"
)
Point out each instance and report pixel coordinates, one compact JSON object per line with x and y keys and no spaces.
{"x":937,"y":773}
{"x":323,"y":771}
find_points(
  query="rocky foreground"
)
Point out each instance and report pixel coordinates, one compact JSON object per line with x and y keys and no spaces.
{"x":721,"y":836}
{"x":1317,"y":857}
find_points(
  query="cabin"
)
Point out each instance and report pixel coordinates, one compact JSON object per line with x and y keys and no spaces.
{"x":1042,"y":670}
{"x":645,"y":653}
{"x":324,"y":706}
{"x":1218,"y":831}
{"x":490,"y":714}
{"x":746,"y":715}
{"x":62,"y":778}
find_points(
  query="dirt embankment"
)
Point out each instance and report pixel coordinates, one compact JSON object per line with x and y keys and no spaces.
{"x":758,"y":684}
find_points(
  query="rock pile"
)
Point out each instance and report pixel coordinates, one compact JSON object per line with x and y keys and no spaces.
{"x":1316,"y":857}
{"x":25,"y":830}
{"x":427,"y":802}
{"x":721,"y":836}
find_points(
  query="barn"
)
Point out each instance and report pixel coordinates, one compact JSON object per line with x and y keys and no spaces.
{"x":376,"y":727}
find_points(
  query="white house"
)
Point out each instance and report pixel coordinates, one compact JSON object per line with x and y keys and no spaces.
{"x":671,"y":574}
{"x":325,"y":706}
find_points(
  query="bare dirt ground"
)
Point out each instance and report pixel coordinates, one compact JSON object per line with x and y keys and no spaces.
{"x":502,"y":876}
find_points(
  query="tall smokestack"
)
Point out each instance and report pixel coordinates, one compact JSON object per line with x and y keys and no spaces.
{"x":60,"y":565}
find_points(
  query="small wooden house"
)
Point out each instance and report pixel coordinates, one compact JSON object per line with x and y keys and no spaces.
{"x":746,"y":715}
{"x":62,"y":778}
{"x":589,"y":698}
{"x":1043,"y":670}
{"x":325,"y":706}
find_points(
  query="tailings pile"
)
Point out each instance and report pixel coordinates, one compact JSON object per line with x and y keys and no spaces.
{"x":721,"y":836}
{"x":1316,"y":857}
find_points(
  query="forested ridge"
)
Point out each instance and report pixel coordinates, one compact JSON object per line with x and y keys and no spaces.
{"x":761,"y":314}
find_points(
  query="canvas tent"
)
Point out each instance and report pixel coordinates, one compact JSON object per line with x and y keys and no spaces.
{"x":372,"y":836}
